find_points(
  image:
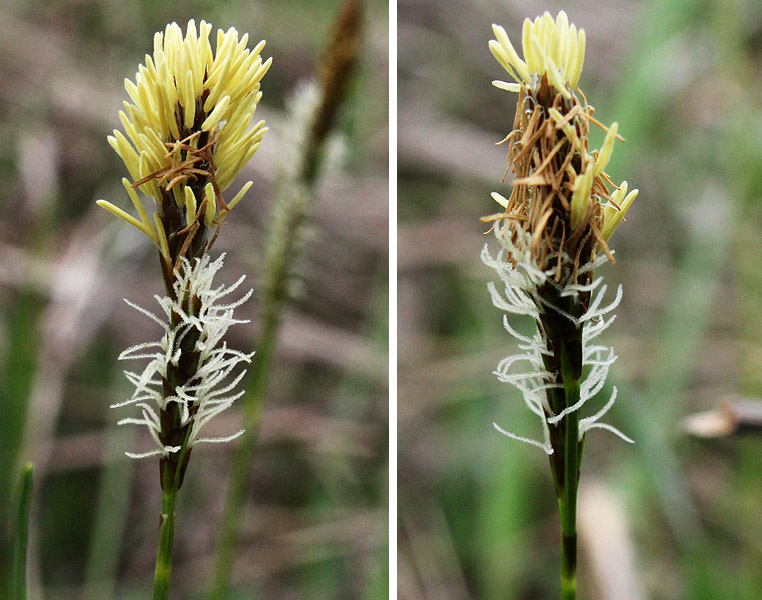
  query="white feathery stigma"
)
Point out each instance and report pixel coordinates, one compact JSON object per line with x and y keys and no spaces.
{"x":526,"y":370}
{"x":212,"y":388}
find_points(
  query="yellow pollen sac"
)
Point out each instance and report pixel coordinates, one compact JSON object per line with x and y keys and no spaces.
{"x":581,"y":196}
{"x":605,"y":154}
{"x":501,"y":200}
{"x":613,"y":212}
{"x":210,"y":211}
{"x":190,"y":206}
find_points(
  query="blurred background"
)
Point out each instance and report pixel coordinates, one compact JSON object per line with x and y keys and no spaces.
{"x":316,"y":521}
{"x":672,"y":516}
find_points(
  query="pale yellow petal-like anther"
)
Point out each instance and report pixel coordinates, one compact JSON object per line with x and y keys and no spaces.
{"x":570,"y":53}
{"x":189,"y":104}
{"x":259,"y":47}
{"x":236,"y":125}
{"x":499,"y":53}
{"x":555,"y":114}
{"x":158,"y":42}
{"x":554,"y":77}
{"x":605,"y":154}
{"x":613,"y":216}
{"x":566,"y":127}
{"x":239,"y":196}
{"x":216,"y":115}
{"x":501,"y":200}
{"x":126,"y":152}
{"x":163,"y":243}
{"x":190,"y":206}
{"x":148,"y":228}
{"x":541,"y":27}
{"x":154,"y":156}
{"x":612,"y":207}
{"x":581,"y":197}
{"x":526,"y":31}
{"x":580,"y":59}
{"x":126,"y":217}
{"x":262,"y":69}
{"x":192,"y":51}
{"x":237,"y":72}
{"x":518,"y":64}
{"x":559,"y":45}
{"x":538,"y":52}
{"x":132,"y":91}
{"x":129,"y":128}
{"x":178,"y":193}
{"x":205,"y":53}
{"x":210,"y":211}
{"x":508,"y":87}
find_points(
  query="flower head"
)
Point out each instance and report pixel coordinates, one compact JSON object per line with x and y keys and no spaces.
{"x":189,"y":377}
{"x":561,"y":196}
{"x":552,"y":48}
{"x":189,"y":129}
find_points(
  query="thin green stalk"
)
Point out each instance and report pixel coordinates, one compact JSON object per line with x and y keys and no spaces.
{"x":21,"y":535}
{"x":166,"y":542}
{"x":223,"y":565}
{"x":170,"y":487}
{"x":568,"y":500}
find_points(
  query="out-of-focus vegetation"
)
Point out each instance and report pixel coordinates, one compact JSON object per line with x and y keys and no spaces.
{"x":315,"y":521}
{"x":669,"y":517}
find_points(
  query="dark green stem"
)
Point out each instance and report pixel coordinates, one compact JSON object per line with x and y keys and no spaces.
{"x":568,"y":499}
{"x":163,"y":570}
{"x":170,"y":484}
{"x":21,"y":535}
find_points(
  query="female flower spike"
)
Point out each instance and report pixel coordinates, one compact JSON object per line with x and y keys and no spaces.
{"x":189,"y":127}
{"x":554,"y":231}
{"x":193,"y":329}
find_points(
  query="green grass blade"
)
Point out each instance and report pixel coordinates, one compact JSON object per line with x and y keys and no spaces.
{"x":21,"y":534}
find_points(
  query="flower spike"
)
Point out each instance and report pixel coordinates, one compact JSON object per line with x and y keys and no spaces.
{"x":189,"y":121}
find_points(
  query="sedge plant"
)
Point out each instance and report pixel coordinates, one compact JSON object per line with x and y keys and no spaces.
{"x":189,"y":129}
{"x":306,"y":151}
{"x":554,"y":232}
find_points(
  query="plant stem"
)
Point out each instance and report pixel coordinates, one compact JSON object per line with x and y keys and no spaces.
{"x":223,"y":564}
{"x":21,"y":534}
{"x":568,"y":500}
{"x":166,"y":543}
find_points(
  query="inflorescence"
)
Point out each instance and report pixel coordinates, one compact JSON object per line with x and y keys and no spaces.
{"x":189,"y":131}
{"x":555,"y":226}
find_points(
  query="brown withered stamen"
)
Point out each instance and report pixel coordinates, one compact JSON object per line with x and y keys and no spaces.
{"x":546,"y":157}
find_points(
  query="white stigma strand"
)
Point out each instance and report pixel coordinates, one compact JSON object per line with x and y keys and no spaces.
{"x":211,"y":389}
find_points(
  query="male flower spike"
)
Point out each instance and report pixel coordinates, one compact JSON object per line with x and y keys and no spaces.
{"x":554,"y":229}
{"x":188,"y":134}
